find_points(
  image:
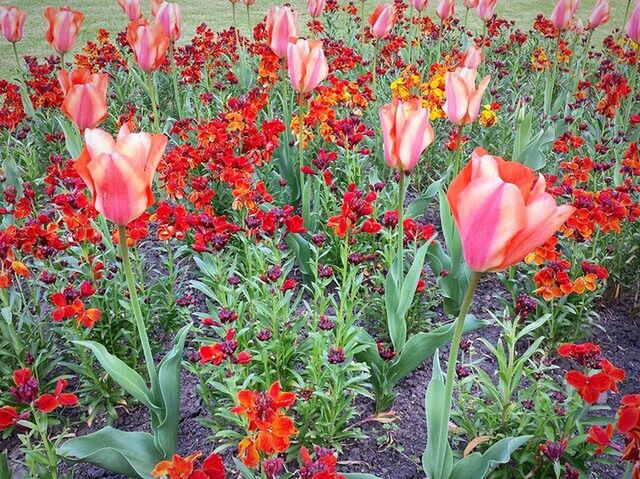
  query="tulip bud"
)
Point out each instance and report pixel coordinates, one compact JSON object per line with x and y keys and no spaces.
{"x":12,"y":23}
{"x":382,"y":20}
{"x":63,"y":26}
{"x":307,"y":64}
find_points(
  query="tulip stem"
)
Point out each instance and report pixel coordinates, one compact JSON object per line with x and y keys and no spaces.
{"x":15,"y":54}
{"x":362,"y":36}
{"x":401,"y":230}
{"x":135,"y":306}
{"x":624,"y":20}
{"x":235,"y":24}
{"x":249,"y":20}
{"x":373,"y":69}
{"x":632,"y":84}
{"x":305,"y":198}
{"x":62,"y":61}
{"x":453,"y":355}
{"x":154,"y":106}
{"x":174,"y":78}
{"x":458,"y":152}
{"x":466,"y":16}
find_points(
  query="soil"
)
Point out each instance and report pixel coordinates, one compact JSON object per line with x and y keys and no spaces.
{"x":387,"y":452}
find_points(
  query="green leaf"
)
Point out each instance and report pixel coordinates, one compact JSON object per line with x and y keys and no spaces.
{"x":126,"y":377}
{"x":391,"y":301}
{"x":132,"y":454}
{"x":422,"y":345}
{"x":411,"y":282}
{"x":5,"y":471}
{"x":72,"y":137}
{"x":243,"y":470}
{"x":419,"y":205}
{"x":302,"y":252}
{"x":437,"y":460}
{"x":476,"y":465}
{"x":166,"y":429}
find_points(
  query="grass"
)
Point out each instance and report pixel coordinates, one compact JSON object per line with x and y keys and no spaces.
{"x":217,"y":13}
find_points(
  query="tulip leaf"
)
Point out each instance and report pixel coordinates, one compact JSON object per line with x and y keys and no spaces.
{"x":476,"y":465}
{"x":302,"y":252}
{"x":5,"y":470}
{"x":132,"y":454}
{"x":422,"y":345}
{"x":168,"y":420}
{"x":72,"y":137}
{"x":410,"y":282}
{"x":126,"y":377}
{"x":396,"y":326}
{"x":437,"y":460}
{"x":419,"y":205}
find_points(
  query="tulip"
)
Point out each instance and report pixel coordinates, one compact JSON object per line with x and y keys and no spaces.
{"x":64,"y":24}
{"x":119,"y":173}
{"x":382,"y":20}
{"x":131,"y":8}
{"x":463,"y":98}
{"x":486,"y":9}
{"x":12,"y":23}
{"x":563,"y":13}
{"x":470,"y":3}
{"x":149,"y":44}
{"x":406,"y":132}
{"x":169,"y":16}
{"x":420,"y":4}
{"x":632,"y":28}
{"x":600,"y":15}
{"x":316,"y":7}
{"x":249,"y":2}
{"x":445,"y":9}
{"x":85,"y":97}
{"x":307,"y":64}
{"x":282,"y":24}
{"x":502,"y":211}
{"x":472,"y":57}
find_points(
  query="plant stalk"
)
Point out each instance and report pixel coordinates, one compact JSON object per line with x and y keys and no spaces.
{"x":154,"y":106}
{"x":401,"y":229}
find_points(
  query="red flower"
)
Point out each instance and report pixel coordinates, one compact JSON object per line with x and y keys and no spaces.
{"x":8,"y":417}
{"x":49,"y":402}
{"x":601,"y":437}
{"x":183,"y":468}
{"x":295,"y":224}
{"x":629,"y":413}
{"x":614,"y":374}
{"x":589,"y":387}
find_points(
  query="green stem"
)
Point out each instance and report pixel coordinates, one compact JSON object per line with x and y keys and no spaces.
{"x":62,"y":61}
{"x":453,"y":355}
{"x":362,"y":20}
{"x":373,"y":69}
{"x":235,"y":24}
{"x":52,"y":457}
{"x":458,"y":152}
{"x":287,"y":122}
{"x":154,"y":106}
{"x":466,"y":16}
{"x":174,"y":79}
{"x":400,"y":230}
{"x":135,"y":306}
{"x":626,"y":15}
{"x":249,"y":20}
{"x":305,"y":199}
{"x":15,"y":54}
{"x":632,"y":84}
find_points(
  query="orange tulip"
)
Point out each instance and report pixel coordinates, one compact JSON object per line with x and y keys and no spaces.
{"x":119,"y":173}
{"x":307,"y":64}
{"x":382,"y":20}
{"x":169,"y":16}
{"x":600,"y":15}
{"x":64,"y":24}
{"x":12,"y":23}
{"x":282,"y":25}
{"x":463,"y":98}
{"x":406,"y":132}
{"x":131,"y":9}
{"x":563,"y":13}
{"x":445,"y":9}
{"x":149,"y":44}
{"x":502,"y":211}
{"x":85,"y":97}
{"x":486,"y":9}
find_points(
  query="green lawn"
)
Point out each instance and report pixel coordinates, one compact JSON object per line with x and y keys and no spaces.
{"x":217,"y":13}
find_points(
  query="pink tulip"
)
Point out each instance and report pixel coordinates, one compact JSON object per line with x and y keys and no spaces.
{"x":463,"y":98}
{"x":382,"y":20}
{"x":64,"y":24}
{"x":316,"y":7}
{"x":486,"y":9}
{"x":12,"y":23}
{"x":502,"y":211}
{"x":600,"y":15}
{"x":307,"y":64}
{"x":632,"y":28}
{"x":472,"y":57}
{"x":445,"y":9}
{"x":563,"y":13}
{"x":406,"y":132}
{"x":149,"y":44}
{"x":420,"y":4}
{"x":131,"y":9}
{"x":85,"y":97}
{"x":249,"y":2}
{"x":169,"y":16}
{"x":119,"y":174}
{"x":470,"y":3}
{"x":282,"y":25}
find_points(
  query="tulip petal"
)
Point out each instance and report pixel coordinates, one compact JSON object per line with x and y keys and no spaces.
{"x":456,"y":104}
{"x":490,"y":213}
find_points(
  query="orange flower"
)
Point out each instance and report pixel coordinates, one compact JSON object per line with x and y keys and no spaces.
{"x":183,"y":468}
{"x":85,"y":101}
{"x":262,"y":408}
{"x":601,"y":437}
{"x":149,"y":44}
{"x":64,"y":24}
{"x":119,"y":173}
